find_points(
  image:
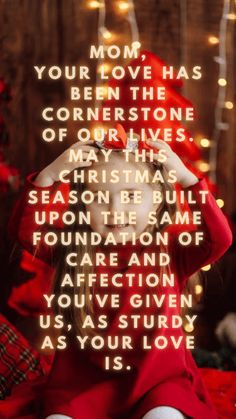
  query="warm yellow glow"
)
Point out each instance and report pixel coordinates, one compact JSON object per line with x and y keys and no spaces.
{"x":213,"y":40}
{"x":231,"y":16}
{"x":205,"y":142}
{"x":198,"y":289}
{"x":105,"y":68}
{"x":136,"y":44}
{"x":220,"y":203}
{"x":203,"y":166}
{"x":222,"y":82}
{"x":104,"y":91}
{"x":106,"y":34}
{"x":229,"y":105}
{"x":188,"y":327}
{"x":123,"y":6}
{"x":94,"y":4}
{"x":100,"y":132}
{"x":206,"y":268}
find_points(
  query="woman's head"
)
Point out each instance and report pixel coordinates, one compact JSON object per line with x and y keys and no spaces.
{"x":115,"y":208}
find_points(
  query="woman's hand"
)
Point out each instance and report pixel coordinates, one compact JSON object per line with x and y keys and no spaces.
{"x":184,"y":176}
{"x":51,"y":173}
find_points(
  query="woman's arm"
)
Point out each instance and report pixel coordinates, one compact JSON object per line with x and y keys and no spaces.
{"x":217,"y":236}
{"x":22,"y":223}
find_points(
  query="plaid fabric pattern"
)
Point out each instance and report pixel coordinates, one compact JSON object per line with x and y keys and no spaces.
{"x":18,"y":361}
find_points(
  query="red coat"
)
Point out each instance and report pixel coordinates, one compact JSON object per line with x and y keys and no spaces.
{"x":79,"y":387}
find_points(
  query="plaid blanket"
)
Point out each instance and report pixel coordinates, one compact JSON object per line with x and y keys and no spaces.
{"x":18,"y":360}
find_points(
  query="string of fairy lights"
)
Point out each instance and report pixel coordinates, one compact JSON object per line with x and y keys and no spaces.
{"x":222,"y":102}
{"x":126,"y":9}
{"x":107,"y":37}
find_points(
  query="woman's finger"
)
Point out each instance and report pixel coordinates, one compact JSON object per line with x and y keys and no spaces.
{"x":77,"y":165}
{"x":84,"y":157}
{"x":159,"y":144}
{"x":84,"y":147}
{"x":79,"y":143}
{"x":83,"y":151}
{"x":84,"y":163}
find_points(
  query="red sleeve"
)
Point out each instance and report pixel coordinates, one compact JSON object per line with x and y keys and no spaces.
{"x":217,"y":236}
{"x":61,"y":387}
{"x":22,"y":222}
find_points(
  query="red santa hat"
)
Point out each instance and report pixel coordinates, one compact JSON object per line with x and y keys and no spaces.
{"x":173,"y":99}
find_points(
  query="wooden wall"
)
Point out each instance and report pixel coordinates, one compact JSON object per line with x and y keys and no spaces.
{"x":56,"y":32}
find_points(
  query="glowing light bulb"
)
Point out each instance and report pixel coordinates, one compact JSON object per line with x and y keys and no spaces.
{"x":105,"y":68}
{"x":94,"y":4}
{"x":213,"y":40}
{"x":230,"y":16}
{"x":206,"y":268}
{"x":220,"y":202}
{"x":229,"y":105}
{"x":98,"y":132}
{"x":203,"y":166}
{"x":106,"y":34}
{"x":205,"y":142}
{"x":123,"y":6}
{"x":188,"y":328}
{"x":136,"y":44}
{"x":222,"y":82}
{"x":198,"y":289}
{"x":103,"y":91}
